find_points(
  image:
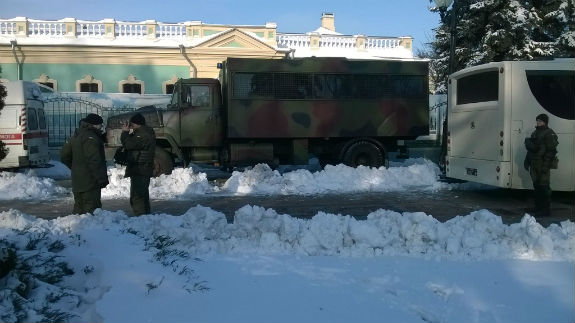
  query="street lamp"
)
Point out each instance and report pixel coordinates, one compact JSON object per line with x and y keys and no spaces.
{"x":443,"y":5}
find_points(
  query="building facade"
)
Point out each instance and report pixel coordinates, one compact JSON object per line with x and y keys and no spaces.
{"x":110,"y":56}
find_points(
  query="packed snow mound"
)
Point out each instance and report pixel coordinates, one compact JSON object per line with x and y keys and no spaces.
{"x":478,"y":236}
{"x":17,"y":186}
{"x":335,"y":179}
{"x":413,"y":174}
{"x":181,"y":183}
{"x":57,"y":170}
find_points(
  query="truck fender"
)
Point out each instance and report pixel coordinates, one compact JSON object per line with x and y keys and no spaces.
{"x":174,"y":147}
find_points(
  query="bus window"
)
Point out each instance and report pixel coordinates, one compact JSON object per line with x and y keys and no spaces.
{"x":480,"y":87}
{"x":41,"y":119}
{"x":554,"y":90}
{"x":32,"y":122}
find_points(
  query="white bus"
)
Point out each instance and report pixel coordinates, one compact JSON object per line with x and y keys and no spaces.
{"x":23,"y":125}
{"x":492,"y":109}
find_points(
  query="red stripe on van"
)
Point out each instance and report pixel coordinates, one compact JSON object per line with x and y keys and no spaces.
{"x":10,"y":136}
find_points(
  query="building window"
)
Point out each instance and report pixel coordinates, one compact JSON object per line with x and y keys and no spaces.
{"x":89,"y":84}
{"x":47,"y":81}
{"x":131,"y":88}
{"x":131,"y":85}
{"x":168,"y":86}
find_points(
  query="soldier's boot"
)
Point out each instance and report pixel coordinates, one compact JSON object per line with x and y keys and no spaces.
{"x":542,"y":200}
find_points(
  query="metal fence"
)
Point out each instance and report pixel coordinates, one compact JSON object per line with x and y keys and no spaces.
{"x":63,"y":115}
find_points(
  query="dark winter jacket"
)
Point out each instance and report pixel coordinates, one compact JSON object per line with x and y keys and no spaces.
{"x":84,"y":154}
{"x":141,"y":146}
{"x":541,"y":148}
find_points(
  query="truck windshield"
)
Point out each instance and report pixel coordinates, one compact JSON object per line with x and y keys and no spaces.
{"x":196,"y":95}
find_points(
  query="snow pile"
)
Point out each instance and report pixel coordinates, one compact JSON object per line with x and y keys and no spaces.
{"x":412,"y":174}
{"x":340,"y":178}
{"x":16,"y":186}
{"x":57,"y":171}
{"x":181,"y":183}
{"x":201,"y":230}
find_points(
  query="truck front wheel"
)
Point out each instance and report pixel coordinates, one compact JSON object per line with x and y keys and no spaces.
{"x":363,"y":153}
{"x":163,"y":162}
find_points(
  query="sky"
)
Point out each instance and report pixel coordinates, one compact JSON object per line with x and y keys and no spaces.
{"x":372,"y":17}
{"x":270,"y":267}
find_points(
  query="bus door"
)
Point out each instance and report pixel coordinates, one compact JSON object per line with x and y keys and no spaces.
{"x":476,"y":126}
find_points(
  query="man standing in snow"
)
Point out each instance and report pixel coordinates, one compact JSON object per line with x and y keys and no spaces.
{"x":139,"y":141}
{"x":541,"y":153}
{"x":84,"y":154}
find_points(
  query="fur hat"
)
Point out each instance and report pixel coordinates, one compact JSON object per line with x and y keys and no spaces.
{"x":138,"y":119}
{"x":543,"y":117}
{"x":93,"y":119}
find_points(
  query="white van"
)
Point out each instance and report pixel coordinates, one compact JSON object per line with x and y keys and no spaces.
{"x":492,"y":109}
{"x":23,"y":125}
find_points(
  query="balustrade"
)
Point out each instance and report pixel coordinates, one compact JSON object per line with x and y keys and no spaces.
{"x":7,"y":28}
{"x":46,"y":28}
{"x":88,"y":28}
{"x":110,"y":28}
{"x":336,"y":41}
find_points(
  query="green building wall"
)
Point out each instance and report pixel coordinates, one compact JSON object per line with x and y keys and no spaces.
{"x":67,"y":74}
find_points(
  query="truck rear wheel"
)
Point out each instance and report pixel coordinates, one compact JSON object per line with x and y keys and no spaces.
{"x":363,"y":153}
{"x":163,"y":162}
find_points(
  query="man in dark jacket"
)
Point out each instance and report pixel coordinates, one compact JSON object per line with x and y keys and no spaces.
{"x":541,"y":152}
{"x":139,"y":141}
{"x":84,"y":154}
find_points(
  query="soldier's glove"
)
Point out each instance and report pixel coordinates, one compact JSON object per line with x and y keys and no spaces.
{"x":103,"y":184}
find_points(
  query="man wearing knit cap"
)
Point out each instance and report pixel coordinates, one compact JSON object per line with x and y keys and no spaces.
{"x":84,"y":154}
{"x":139,"y":141}
{"x":541,"y":154}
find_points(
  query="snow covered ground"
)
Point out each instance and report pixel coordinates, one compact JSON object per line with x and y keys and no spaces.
{"x":270,"y":267}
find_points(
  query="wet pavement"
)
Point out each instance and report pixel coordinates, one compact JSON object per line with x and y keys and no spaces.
{"x":511,"y":205}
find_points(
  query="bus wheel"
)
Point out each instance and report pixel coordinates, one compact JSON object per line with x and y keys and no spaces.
{"x":163,"y":162}
{"x":363,"y":153}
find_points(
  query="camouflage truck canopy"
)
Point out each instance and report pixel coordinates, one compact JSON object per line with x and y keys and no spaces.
{"x":325,"y":97}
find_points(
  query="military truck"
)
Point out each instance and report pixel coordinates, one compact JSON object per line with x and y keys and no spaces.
{"x":286,"y":111}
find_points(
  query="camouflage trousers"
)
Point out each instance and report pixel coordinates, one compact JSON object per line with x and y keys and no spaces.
{"x":139,"y":194}
{"x":541,"y":188}
{"x":87,"y":202}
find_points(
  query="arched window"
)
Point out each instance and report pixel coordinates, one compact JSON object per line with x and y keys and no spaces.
{"x":46,"y":80}
{"x":131,"y":85}
{"x":168,"y":86}
{"x":89,"y":84}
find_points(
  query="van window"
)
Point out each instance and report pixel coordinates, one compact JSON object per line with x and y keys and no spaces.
{"x":555,"y":91}
{"x":41,"y":119}
{"x":32,"y":120}
{"x":480,"y":87}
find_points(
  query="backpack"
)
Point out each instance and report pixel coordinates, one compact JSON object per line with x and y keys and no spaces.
{"x":121,"y":156}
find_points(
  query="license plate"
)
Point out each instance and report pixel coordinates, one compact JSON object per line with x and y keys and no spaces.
{"x":471,"y":171}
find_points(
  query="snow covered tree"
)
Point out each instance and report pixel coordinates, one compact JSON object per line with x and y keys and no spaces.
{"x":495,"y":30}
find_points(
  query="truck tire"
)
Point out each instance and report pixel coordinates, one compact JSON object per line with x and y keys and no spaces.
{"x":163,"y":162}
{"x":363,"y":153}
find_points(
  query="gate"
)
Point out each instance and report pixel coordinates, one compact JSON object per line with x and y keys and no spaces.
{"x":63,"y":115}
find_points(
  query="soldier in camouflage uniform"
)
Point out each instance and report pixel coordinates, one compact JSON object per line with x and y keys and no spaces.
{"x":541,"y":152}
{"x":84,"y":154}
{"x":139,"y":141}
